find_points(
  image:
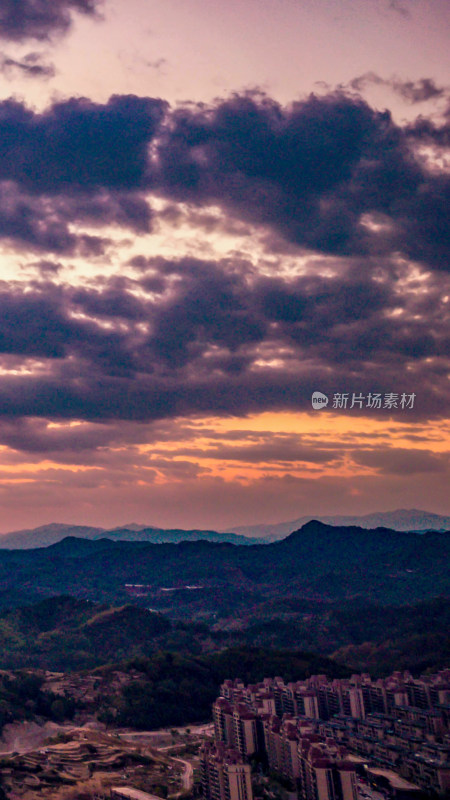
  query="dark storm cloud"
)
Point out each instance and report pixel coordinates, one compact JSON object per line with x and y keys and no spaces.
{"x":78,"y":144}
{"x":30,"y":66}
{"x":40,"y":19}
{"x":68,"y":443}
{"x":210,"y":306}
{"x":113,"y":302}
{"x":43,"y":222}
{"x":37,"y":324}
{"x":189,"y":336}
{"x":39,"y":224}
{"x":84,"y":360}
{"x":425,"y":131}
{"x":34,"y":436}
{"x":329,"y":174}
{"x":217,"y":337}
{"x":102,"y":208}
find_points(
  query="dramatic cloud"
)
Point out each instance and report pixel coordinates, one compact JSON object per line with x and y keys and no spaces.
{"x":190,"y":337}
{"x":176,"y":280}
{"x":42,"y":223}
{"x":79,"y":162}
{"x":78,"y":144}
{"x":169,"y":337}
{"x":40,"y":19}
{"x":46,"y":223}
{"x":72,"y":443}
{"x":329,"y":174}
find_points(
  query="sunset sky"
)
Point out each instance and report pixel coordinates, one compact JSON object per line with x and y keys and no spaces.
{"x":208,"y":211}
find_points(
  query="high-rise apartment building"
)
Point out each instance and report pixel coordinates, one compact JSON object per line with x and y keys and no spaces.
{"x":224,"y":775}
{"x":325,"y":774}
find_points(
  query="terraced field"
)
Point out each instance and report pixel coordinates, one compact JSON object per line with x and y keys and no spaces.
{"x":82,"y":758}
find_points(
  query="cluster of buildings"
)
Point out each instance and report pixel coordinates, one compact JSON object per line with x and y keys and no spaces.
{"x":316,"y":735}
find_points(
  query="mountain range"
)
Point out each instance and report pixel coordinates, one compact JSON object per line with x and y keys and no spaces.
{"x":198,"y":578}
{"x":411,"y":519}
{"x":45,"y":535}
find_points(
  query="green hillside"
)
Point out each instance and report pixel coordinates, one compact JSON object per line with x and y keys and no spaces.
{"x":65,"y":633}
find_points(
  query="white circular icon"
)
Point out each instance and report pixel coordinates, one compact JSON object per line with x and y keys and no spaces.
{"x":319,"y":400}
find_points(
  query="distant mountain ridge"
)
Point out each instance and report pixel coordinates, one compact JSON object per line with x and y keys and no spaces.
{"x":46,"y":535}
{"x":411,"y":519}
{"x":316,"y":562}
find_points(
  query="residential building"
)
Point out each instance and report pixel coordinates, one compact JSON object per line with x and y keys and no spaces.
{"x":224,"y":774}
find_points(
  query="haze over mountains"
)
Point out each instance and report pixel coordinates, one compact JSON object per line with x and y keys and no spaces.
{"x":46,"y":535}
{"x":400,"y":520}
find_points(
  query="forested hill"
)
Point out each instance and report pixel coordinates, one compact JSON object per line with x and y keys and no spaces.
{"x":317,"y":561}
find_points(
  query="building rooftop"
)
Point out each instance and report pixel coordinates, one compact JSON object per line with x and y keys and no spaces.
{"x":395,"y":780}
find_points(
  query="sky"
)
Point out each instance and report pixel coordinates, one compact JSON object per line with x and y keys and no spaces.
{"x":210,"y":211}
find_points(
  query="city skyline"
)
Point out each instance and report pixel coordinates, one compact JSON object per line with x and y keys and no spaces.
{"x":208,"y":212}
